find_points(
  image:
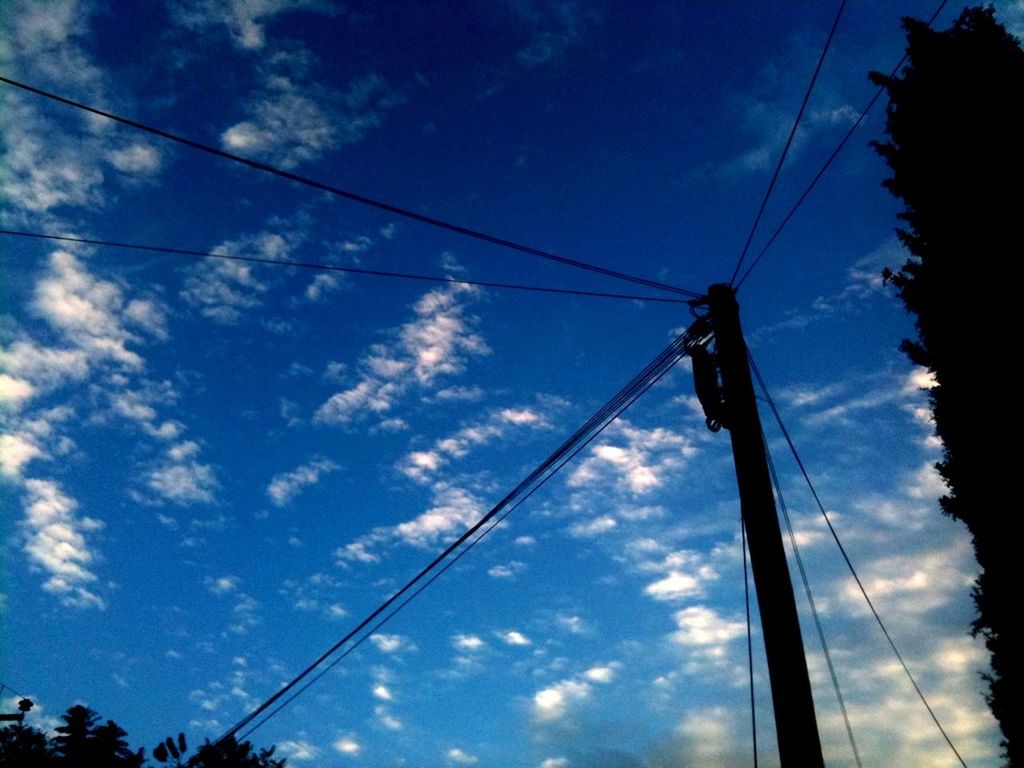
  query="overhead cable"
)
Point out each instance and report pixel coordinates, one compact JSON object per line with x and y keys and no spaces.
{"x":828,"y":161}
{"x":607,"y":413}
{"x":846,"y":558}
{"x":362,"y":199}
{"x":335,"y":267}
{"x":464,"y":551}
{"x":750,"y":639}
{"x":4,"y":686}
{"x":810,"y":602}
{"x":789,"y":140}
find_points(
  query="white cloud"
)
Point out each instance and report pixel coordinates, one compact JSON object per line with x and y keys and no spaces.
{"x":572,"y":624}
{"x":290,"y":123}
{"x":297,"y":749}
{"x":181,"y":479}
{"x":422,"y":465}
{"x":927,"y":483}
{"x":223,"y":290}
{"x":386,"y":719}
{"x":44,"y":367}
{"x":602,"y":674}
{"x":391,"y":643}
{"x":437,"y":343}
{"x":459,"y":394}
{"x":454,"y":509}
{"x":639,"y":465}
{"x":458,"y":757}
{"x":587,"y":529}
{"x":382,"y":692}
{"x":287,"y":485}
{"x":512,"y":637}
{"x":468,"y":643}
{"x":347,"y":745}
{"x":685,"y":571}
{"x":556,"y":29}
{"x":703,"y":629}
{"x":552,"y":703}
{"x":91,"y":313}
{"x":17,"y":450}
{"x":506,"y":570}
{"x":321,"y":285}
{"x":244,"y":20}
{"x":221,"y":585}
{"x":55,"y":541}
{"x":675,"y":586}
{"x":14,"y":392}
{"x":136,"y":158}
{"x":555,"y":762}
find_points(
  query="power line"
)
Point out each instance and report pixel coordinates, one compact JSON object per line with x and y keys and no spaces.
{"x":362,"y":199}
{"x":810,"y":601}
{"x":607,"y":413}
{"x":333,"y":267}
{"x":789,"y":141}
{"x":750,"y":638}
{"x":829,"y":160}
{"x":846,"y":557}
{"x":494,"y":524}
{"x":4,"y":686}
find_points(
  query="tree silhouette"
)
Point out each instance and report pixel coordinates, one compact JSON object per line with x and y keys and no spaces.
{"x":954,"y":127}
{"x":81,"y":743}
{"x":25,"y":747}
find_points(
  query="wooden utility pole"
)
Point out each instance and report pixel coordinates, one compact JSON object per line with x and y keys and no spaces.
{"x":795,"y":722}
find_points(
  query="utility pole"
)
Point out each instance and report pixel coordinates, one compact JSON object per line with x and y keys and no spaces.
{"x":795,"y":722}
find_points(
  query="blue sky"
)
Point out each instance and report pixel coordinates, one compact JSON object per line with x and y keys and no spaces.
{"x":211,"y":470}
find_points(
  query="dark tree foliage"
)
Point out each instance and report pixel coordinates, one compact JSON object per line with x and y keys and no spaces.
{"x":25,"y":747}
{"x":955,"y":128}
{"x":81,"y":743}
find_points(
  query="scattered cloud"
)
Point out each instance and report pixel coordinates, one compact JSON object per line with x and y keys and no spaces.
{"x":551,"y":703}
{"x":556,"y":28}
{"x":512,"y":637}
{"x":55,"y":542}
{"x":348,"y":745}
{"x":297,"y":749}
{"x":506,"y":570}
{"x":287,"y":485}
{"x":437,"y":343}
{"x":291,"y":122}
{"x":391,"y":644}
{"x":454,"y":509}
{"x":181,"y":479}
{"x":457,"y":756}
{"x":703,"y":630}
{"x":244,"y":20}
{"x":16,"y":451}
{"x":587,"y":529}
{"x":684,"y":573}
{"x":637,"y":459}
{"x":224,"y":290}
{"x":222,"y":585}
{"x":424,"y":464}
{"x":470,"y":643}
{"x":93,"y":314}
{"x":138,"y":158}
